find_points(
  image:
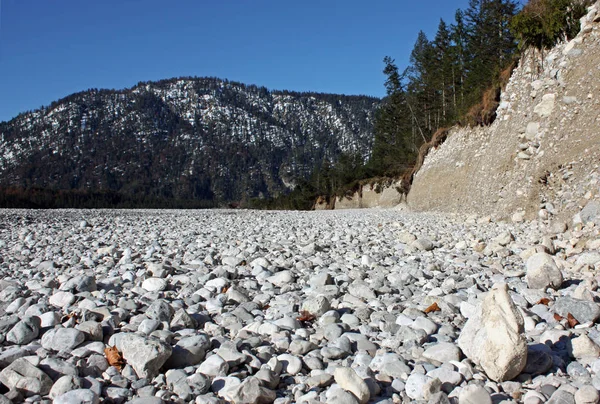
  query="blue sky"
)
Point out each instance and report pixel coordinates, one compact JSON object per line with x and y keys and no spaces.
{"x":50,"y":49}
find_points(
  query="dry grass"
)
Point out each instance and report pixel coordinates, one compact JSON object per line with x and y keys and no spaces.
{"x":484,"y":112}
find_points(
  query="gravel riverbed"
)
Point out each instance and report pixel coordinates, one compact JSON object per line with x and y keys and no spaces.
{"x":356,"y":306}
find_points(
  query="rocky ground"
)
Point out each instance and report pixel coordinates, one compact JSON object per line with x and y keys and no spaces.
{"x":257,"y":307}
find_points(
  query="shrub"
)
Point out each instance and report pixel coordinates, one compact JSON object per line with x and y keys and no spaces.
{"x":543,"y":23}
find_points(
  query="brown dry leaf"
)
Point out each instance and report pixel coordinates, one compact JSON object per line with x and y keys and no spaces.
{"x":114,"y":358}
{"x":433,"y":307}
{"x":266,"y":307}
{"x":557,"y":317}
{"x":305,"y":316}
{"x":224,"y":289}
{"x":571,"y":320}
{"x":544,"y":301}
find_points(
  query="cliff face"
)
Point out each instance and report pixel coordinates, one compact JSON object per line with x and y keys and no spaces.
{"x":376,"y":195}
{"x":541,"y":156}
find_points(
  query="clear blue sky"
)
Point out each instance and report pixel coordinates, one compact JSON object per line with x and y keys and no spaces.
{"x":50,"y":49}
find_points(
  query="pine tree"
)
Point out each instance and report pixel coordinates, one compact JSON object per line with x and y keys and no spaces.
{"x":443,"y":68}
{"x":394,"y":145}
{"x":490,"y":44}
{"x":421,"y":85}
{"x":459,"y":40}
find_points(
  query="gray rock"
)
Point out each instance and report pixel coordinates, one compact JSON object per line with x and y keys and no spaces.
{"x":591,"y":213}
{"x":10,"y":355}
{"x":561,"y":397}
{"x":443,"y":352}
{"x":250,"y":391}
{"x":447,"y":376}
{"x":188,"y":351}
{"x":80,"y":283}
{"x":24,"y":331}
{"x":160,"y":310}
{"x":539,"y":360}
{"x":65,"y":384}
{"x":583,"y":310}
{"x":62,"y":299}
{"x":214,"y":366}
{"x":154,"y":284}
{"x":55,"y":368}
{"x":361,"y":290}
{"x":425,"y":324}
{"x":583,"y":347}
{"x":301,"y":347}
{"x":182,"y":320}
{"x":542,"y":272}
{"x":148,"y":326}
{"x":60,"y":339}
{"x":291,"y":364}
{"x":21,"y":375}
{"x":473,"y":394}
{"x":422,"y":387}
{"x":390,"y":364}
{"x":439,"y":398}
{"x":145,"y":355}
{"x":587,"y":395}
{"x":337,"y":395}
{"x":146,"y":400}
{"x":79,"y":396}
{"x":92,"y":330}
{"x":228,"y":351}
{"x":281,"y":278}
{"x":423,"y":244}
{"x":317,"y":306}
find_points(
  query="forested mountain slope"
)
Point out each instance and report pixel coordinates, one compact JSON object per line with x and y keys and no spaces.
{"x":187,"y":138}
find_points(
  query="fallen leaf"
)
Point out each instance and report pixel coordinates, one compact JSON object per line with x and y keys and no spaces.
{"x":557,"y":317}
{"x":113,"y":356}
{"x":572,"y":321}
{"x":305,"y":316}
{"x":433,"y":307}
{"x":544,"y":301}
{"x":224,"y":289}
{"x":68,"y":317}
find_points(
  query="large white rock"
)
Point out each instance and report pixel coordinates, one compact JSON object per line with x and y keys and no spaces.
{"x":542,"y":272}
{"x":350,"y":381}
{"x":493,"y":337}
{"x":154,"y":284}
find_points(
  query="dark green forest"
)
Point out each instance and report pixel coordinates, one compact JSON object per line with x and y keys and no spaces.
{"x":454,"y":78}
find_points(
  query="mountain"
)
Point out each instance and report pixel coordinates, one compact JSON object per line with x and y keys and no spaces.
{"x":184,"y":138}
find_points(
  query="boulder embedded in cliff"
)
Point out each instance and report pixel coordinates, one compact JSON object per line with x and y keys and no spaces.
{"x":546,"y":106}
